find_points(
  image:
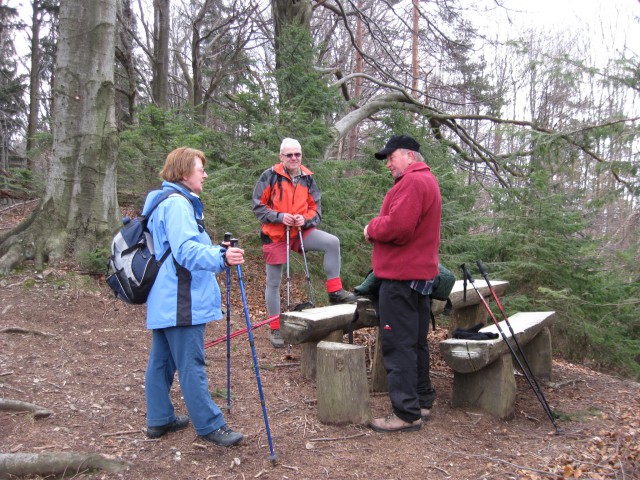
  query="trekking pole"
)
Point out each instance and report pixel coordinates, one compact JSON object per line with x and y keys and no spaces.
{"x":467,"y":276}
{"x":485,"y":275}
{"x":288,"y":276}
{"x":242,"y":331}
{"x":227,"y":240}
{"x":306,"y":268}
{"x":272,"y":457}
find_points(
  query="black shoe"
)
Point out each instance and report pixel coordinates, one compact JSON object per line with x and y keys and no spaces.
{"x":223,"y":437}
{"x":179,"y":423}
{"x":342,"y":296}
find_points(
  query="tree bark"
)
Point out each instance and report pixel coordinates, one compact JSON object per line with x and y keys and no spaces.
{"x":79,"y":208}
{"x":286,"y":13}
{"x":127,"y":82}
{"x":160,"y":82}
{"x":34,"y":82}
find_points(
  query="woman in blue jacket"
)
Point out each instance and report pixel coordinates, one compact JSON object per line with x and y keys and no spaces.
{"x":184,"y":298}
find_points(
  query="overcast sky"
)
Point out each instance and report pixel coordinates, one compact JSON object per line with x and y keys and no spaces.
{"x":609,"y":24}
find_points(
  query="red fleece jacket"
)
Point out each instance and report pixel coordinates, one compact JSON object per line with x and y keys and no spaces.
{"x":406,"y":233}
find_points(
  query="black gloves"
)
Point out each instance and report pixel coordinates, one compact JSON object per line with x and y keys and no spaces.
{"x":473,"y":333}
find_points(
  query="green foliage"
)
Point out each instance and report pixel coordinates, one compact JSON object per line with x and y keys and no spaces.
{"x":143,"y":148}
{"x":94,"y":263}
{"x":536,"y":241}
{"x":23,"y":182}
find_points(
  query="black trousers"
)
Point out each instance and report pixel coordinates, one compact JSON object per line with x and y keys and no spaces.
{"x":404,"y":325}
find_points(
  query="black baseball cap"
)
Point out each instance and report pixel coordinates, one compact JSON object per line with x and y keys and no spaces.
{"x":396,"y":142}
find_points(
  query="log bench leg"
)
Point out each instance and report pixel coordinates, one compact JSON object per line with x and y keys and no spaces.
{"x":378,"y":372}
{"x":492,"y":389}
{"x":341,"y":381}
{"x":309,"y":353}
{"x":538,"y":352}
{"x":467,"y":317}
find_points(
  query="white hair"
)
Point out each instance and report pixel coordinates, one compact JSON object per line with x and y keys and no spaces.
{"x":290,"y":142}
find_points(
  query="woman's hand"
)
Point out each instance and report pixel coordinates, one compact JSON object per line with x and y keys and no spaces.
{"x":235,"y":256}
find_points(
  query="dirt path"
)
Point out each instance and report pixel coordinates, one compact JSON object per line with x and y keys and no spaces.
{"x":89,"y":369}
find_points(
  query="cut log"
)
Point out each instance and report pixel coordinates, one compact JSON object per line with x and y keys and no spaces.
{"x":309,"y":353}
{"x":342,"y":389}
{"x":44,"y":464}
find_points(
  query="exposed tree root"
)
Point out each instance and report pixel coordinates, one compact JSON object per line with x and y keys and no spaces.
{"x":7,"y":405}
{"x":57,"y":463}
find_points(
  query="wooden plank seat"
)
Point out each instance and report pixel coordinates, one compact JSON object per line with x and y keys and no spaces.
{"x":308,"y":327}
{"x":483,"y":369}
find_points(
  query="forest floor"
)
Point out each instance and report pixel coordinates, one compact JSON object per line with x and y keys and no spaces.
{"x":67,"y":345}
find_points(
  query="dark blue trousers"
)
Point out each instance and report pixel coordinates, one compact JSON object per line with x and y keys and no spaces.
{"x":180,"y":349}
{"x":404,"y":325}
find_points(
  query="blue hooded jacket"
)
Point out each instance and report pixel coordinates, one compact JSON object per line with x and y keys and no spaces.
{"x":186,"y":293}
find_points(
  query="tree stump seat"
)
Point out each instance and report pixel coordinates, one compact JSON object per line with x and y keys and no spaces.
{"x":483,"y":369}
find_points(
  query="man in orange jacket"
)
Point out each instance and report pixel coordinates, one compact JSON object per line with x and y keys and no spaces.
{"x":287,"y":196}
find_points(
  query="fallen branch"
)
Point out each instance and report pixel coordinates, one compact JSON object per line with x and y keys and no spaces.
{"x":25,"y":331}
{"x":45,"y":464}
{"x":19,"y":406}
{"x":332,"y":439}
{"x":122,"y":432}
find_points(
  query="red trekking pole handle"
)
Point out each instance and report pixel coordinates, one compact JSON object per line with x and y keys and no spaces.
{"x":485,"y":275}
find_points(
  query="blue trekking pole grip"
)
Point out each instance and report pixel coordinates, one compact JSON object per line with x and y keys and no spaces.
{"x":272,"y":457}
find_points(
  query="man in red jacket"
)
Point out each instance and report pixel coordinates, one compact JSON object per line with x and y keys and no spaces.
{"x":406,"y":238}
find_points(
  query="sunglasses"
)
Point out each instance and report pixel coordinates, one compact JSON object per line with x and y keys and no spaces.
{"x":291,"y":155}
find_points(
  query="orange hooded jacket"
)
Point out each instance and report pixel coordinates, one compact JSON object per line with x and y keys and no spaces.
{"x":276,"y":194}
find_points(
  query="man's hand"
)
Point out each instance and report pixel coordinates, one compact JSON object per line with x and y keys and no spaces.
{"x":366,"y":234}
{"x":292,"y":220}
{"x":288,"y":219}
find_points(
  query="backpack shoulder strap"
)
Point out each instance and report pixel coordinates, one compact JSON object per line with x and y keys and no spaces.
{"x":159,"y":199}
{"x":162,"y":197}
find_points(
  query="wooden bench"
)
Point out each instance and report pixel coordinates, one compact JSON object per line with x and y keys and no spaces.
{"x":330,"y":323}
{"x":484,"y":370}
{"x":339,"y":370}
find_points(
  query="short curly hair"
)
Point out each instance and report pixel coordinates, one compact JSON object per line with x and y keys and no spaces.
{"x":179,"y":163}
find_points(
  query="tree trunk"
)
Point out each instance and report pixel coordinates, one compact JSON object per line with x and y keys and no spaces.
{"x":160,"y":82}
{"x":79,"y":208}
{"x":34,"y":83}
{"x":286,"y":13}
{"x":126,"y":81}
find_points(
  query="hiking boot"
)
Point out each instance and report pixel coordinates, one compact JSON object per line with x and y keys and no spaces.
{"x":392,"y":423}
{"x":342,"y":296}
{"x":179,"y":423}
{"x":425,"y":414}
{"x":223,"y":437}
{"x":276,"y":339}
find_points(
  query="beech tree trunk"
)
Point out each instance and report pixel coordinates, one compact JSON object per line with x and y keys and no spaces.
{"x":79,"y":208}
